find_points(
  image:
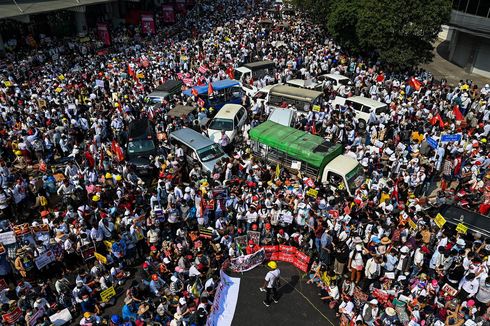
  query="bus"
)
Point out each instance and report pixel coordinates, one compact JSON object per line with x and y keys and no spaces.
{"x":309,"y":154}
{"x":300,"y":98}
{"x":226,"y":91}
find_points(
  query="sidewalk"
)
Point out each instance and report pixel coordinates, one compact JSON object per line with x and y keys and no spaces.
{"x":442,"y":68}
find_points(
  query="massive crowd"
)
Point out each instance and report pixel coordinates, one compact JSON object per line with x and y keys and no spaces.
{"x":65,"y":192}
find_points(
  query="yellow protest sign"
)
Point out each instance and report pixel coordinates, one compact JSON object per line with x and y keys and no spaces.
{"x":316,"y":108}
{"x":412,"y":224}
{"x":439,"y":220}
{"x":140,"y":75}
{"x":278,"y":171}
{"x":7,"y":83}
{"x":61,"y":77}
{"x":101,"y":258}
{"x":461,"y":228}
{"x":58,"y":90}
{"x":107,"y":294}
{"x":312,"y":192}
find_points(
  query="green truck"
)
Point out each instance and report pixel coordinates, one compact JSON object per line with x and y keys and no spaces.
{"x":314,"y":157}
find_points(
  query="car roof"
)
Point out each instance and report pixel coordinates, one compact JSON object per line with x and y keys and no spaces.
{"x":169,"y":85}
{"x":335,"y":76}
{"x":191,"y":138}
{"x":139,"y":128}
{"x":228,"y":111}
{"x":366,"y":101}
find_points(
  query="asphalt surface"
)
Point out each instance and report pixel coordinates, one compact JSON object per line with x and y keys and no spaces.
{"x":299,"y":303}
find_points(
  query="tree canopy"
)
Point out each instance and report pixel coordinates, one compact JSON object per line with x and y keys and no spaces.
{"x":400,"y":32}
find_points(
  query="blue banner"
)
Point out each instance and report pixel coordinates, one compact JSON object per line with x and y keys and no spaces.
{"x":432,"y":142}
{"x":448,"y":138}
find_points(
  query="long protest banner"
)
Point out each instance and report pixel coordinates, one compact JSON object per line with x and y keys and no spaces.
{"x":225,"y":301}
{"x":247,"y":262}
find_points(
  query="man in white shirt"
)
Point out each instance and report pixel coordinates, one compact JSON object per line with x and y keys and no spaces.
{"x":271,"y":284}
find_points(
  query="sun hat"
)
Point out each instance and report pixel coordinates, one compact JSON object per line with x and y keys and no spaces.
{"x":390,"y":311}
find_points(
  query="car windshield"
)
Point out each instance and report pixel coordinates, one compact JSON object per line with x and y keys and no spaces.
{"x":355,"y":178}
{"x":210,"y":153}
{"x":140,"y":146}
{"x":343,"y":81}
{"x":221,"y":124}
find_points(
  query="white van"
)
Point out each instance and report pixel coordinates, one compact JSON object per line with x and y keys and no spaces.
{"x":285,"y":117}
{"x":362,"y":107}
{"x":333,"y":79}
{"x":230,"y":118}
{"x":308,"y":84}
{"x":262,"y":95}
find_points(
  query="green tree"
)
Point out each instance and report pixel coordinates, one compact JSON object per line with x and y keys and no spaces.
{"x":318,"y":9}
{"x":341,"y":23}
{"x":401,"y":31}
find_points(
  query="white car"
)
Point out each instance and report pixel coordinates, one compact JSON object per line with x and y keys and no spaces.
{"x":336,"y":80}
{"x":230,"y":118}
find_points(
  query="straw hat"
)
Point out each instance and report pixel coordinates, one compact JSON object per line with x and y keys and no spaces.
{"x":390,"y":311}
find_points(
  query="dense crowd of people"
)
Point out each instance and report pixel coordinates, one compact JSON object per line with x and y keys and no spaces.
{"x":379,"y":257}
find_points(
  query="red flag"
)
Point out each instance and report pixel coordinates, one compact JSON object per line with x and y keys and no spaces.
{"x":90,"y":159}
{"x":116,"y":149}
{"x":414,"y":83}
{"x":210,"y":89}
{"x":435,"y":119}
{"x":457,"y":113}
{"x":194,"y":92}
{"x":200,"y":102}
{"x":230,"y":72}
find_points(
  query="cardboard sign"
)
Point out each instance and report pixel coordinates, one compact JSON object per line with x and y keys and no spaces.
{"x":439,"y":220}
{"x":312,"y":193}
{"x":461,"y":228}
{"x":296,"y":165}
{"x":101,"y":258}
{"x":12,"y":317}
{"x":62,"y":317}
{"x":44,"y":259}
{"x":7,"y":238}
{"x":107,"y":294}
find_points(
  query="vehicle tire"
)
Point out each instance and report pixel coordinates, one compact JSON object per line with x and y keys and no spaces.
{"x":362,"y":124}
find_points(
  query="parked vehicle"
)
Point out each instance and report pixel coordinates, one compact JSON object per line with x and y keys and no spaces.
{"x":308,"y":84}
{"x":314,"y":157}
{"x":197,"y":148}
{"x":142,"y":143}
{"x":253,"y":70}
{"x":335,"y":80}
{"x":165,"y":91}
{"x":230,"y":118}
{"x":284,"y":117}
{"x":362,"y":106}
{"x":225,"y":92}
{"x":299,"y":98}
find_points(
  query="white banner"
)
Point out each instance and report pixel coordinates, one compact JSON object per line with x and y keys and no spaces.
{"x":61,"y":318}
{"x":7,"y":237}
{"x":225,"y":301}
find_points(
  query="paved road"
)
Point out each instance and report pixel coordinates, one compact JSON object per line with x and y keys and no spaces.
{"x":299,"y":303}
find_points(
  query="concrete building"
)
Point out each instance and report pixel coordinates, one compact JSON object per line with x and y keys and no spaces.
{"x":468,"y":34}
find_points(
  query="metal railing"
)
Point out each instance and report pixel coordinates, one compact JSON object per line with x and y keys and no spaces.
{"x":473,"y":7}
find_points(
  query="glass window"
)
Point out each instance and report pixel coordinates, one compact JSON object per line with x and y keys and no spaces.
{"x":210,"y":153}
{"x":221,"y":124}
{"x":140,"y":146}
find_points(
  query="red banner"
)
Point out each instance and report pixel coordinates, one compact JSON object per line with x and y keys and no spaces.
{"x":168,"y":14}
{"x":288,"y":254}
{"x":103,"y":33}
{"x":147,"y":24}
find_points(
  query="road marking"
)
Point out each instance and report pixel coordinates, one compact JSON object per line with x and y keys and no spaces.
{"x":306,"y":298}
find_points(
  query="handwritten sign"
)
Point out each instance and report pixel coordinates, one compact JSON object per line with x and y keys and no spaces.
{"x":439,"y":220}
{"x":461,"y":228}
{"x":7,"y":237}
{"x":12,"y":317}
{"x":312,"y":192}
{"x":101,"y":258}
{"x":107,"y":294}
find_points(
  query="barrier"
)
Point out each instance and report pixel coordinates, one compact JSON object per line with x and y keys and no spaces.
{"x":288,"y":254}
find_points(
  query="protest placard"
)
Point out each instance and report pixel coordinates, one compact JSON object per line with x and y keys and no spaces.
{"x":461,"y":228}
{"x":22,"y":229}
{"x":296,"y":165}
{"x":247,"y":262}
{"x":241,"y":241}
{"x":44,"y":259}
{"x":107,"y":294}
{"x":439,"y":220}
{"x":61,"y":317}
{"x":12,"y":316}
{"x":87,"y":252}
{"x":35,"y":316}
{"x":254,"y":236}
{"x":312,"y":192}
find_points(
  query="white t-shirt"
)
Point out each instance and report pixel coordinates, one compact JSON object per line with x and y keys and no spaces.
{"x":272,"y":277}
